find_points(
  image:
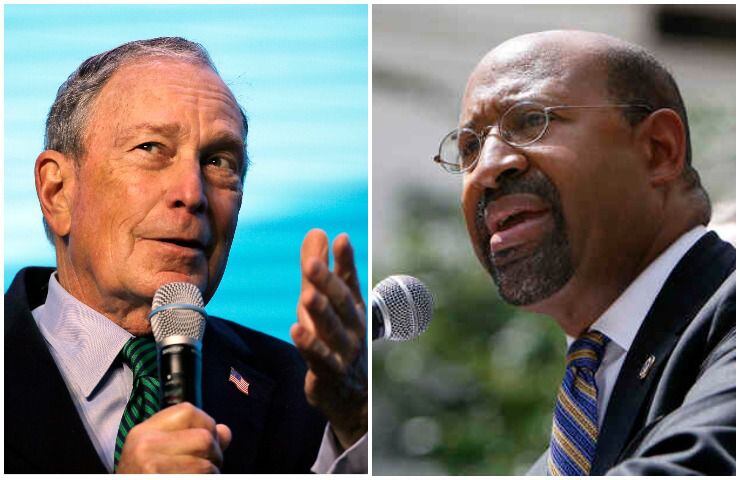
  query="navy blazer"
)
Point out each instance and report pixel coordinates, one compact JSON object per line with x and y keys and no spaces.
{"x":679,"y":418}
{"x":274,"y":429}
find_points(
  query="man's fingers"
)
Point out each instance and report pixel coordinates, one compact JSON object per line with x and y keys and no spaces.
{"x":196,"y":442}
{"x":224,"y":436}
{"x":186,"y":464}
{"x":168,"y":464}
{"x":337,"y":292}
{"x":318,"y":356}
{"x":304,"y":318}
{"x":189,"y":450}
{"x":319,"y":390}
{"x":315,"y":245}
{"x":182,"y":416}
{"x":328,"y":327}
{"x":344,"y":265}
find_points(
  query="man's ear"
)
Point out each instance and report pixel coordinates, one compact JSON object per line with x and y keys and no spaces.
{"x":664,"y":138}
{"x":55,"y":182}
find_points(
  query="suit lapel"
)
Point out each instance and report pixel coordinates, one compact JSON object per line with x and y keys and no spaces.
{"x":699,"y":273}
{"x":54,"y":440}
{"x":243,"y":413}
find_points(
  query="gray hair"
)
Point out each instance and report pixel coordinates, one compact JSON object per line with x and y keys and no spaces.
{"x":71,"y":111}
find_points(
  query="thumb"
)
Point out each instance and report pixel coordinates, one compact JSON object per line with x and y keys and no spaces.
{"x":224,"y":436}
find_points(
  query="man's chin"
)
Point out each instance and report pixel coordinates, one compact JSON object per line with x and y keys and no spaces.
{"x":525,"y":278}
{"x":502,"y":259}
{"x":162,"y":278}
{"x":140,"y":330}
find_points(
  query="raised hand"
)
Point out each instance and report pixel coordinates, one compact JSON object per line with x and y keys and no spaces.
{"x":331,"y":335}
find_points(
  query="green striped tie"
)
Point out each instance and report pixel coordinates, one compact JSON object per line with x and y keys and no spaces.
{"x":141,"y":355}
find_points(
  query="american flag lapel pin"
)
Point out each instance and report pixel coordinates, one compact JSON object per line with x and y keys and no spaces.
{"x":239,"y":381}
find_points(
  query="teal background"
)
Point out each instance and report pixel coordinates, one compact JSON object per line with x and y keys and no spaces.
{"x":301,"y":74}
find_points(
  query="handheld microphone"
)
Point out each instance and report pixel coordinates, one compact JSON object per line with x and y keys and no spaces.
{"x":178,"y":323}
{"x":402,"y":308}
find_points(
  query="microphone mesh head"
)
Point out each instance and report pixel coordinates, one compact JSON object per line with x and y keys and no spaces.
{"x":409,"y":303}
{"x":178,"y":321}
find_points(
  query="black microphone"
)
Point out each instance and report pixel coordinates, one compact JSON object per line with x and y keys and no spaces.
{"x":402,"y":308}
{"x":178,"y":322}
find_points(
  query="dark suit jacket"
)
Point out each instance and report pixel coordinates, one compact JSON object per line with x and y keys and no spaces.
{"x":274,"y":429}
{"x":679,"y":419}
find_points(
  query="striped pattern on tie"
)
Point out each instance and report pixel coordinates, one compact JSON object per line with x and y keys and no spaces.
{"x":140,"y":354}
{"x":575,"y":426}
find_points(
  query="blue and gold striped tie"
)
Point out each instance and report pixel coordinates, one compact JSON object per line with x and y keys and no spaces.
{"x":140,"y":354}
{"x":575,"y":426}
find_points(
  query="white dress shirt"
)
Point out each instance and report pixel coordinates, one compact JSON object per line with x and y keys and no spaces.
{"x":622,"y":320}
{"x":85,"y":344}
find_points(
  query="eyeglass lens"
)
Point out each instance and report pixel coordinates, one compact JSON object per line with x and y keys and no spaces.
{"x":522,"y":124}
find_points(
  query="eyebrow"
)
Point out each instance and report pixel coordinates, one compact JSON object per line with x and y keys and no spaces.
{"x":164,"y":129}
{"x":507,"y":103}
{"x":225,"y":140}
{"x":221,"y":141}
{"x":500,"y":107}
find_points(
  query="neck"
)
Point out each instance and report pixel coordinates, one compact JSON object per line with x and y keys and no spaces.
{"x":129,"y":313}
{"x":586,"y":297}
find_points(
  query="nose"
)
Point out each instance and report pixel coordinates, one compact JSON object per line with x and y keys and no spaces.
{"x":186,"y":189}
{"x":497,"y":161}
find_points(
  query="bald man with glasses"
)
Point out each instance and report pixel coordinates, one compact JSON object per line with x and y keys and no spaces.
{"x":581,"y":202}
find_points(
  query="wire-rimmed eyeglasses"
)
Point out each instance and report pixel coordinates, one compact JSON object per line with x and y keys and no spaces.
{"x":522,"y":124}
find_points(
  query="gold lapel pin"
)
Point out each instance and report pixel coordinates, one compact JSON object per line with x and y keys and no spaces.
{"x":647,"y":366}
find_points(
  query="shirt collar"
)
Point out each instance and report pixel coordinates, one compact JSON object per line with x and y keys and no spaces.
{"x":622,"y":320}
{"x":84,"y":340}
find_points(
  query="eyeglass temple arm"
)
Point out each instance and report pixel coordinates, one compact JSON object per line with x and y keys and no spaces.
{"x":619,"y":105}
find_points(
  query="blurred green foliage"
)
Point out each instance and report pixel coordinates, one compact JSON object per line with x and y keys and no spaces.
{"x":475,"y":393}
{"x":713,"y":146}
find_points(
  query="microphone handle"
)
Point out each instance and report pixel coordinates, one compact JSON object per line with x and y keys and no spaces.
{"x":180,"y":368}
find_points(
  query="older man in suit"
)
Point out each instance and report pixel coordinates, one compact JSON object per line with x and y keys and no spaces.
{"x":581,"y":202}
{"x":140,"y":185}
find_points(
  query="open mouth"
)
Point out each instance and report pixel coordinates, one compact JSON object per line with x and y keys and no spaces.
{"x":516,"y":220}
{"x":184,"y":243}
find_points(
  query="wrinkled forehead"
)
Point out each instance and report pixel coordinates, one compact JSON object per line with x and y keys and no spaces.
{"x":519,"y":70}
{"x":144,"y":82}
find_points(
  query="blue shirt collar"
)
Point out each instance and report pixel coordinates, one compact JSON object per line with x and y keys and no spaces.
{"x":84,"y":341}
